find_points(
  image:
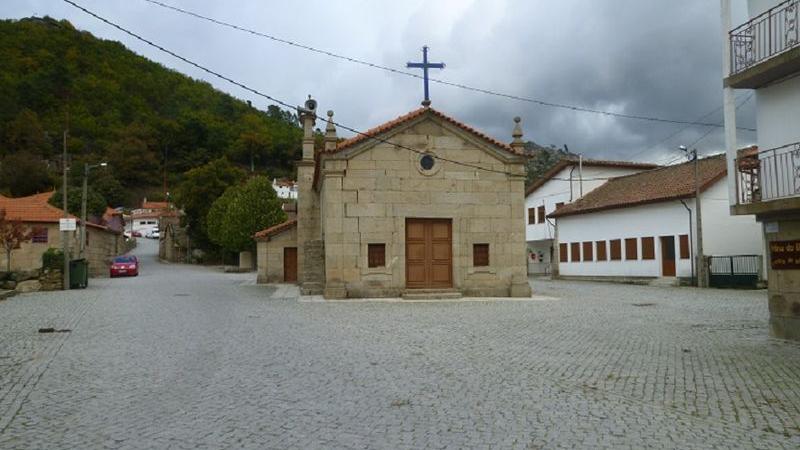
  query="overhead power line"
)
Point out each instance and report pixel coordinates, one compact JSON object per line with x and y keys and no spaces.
{"x":435,"y":80}
{"x":267,"y":96}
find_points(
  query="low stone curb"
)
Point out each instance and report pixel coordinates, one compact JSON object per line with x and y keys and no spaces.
{"x":7,"y":294}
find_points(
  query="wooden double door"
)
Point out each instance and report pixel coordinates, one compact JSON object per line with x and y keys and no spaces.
{"x":290,"y":264}
{"x":429,"y":253}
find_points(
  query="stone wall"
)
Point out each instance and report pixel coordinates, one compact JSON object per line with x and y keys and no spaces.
{"x":269,"y":256}
{"x":784,"y":288}
{"x":369,"y":194}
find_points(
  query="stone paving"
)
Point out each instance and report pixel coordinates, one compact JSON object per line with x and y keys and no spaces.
{"x":189,"y":357}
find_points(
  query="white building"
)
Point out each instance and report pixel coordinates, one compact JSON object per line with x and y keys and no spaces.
{"x":642,"y":226}
{"x":285,"y":188}
{"x":564,"y":183}
{"x":762,"y":52}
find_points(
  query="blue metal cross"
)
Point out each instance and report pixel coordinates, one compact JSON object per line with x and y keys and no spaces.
{"x":425,"y":65}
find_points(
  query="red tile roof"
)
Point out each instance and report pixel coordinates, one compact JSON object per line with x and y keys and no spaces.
{"x":573,"y":161}
{"x":380,"y":129}
{"x":35,"y":208}
{"x":652,"y":186}
{"x":154,"y":205}
{"x":273,"y":230}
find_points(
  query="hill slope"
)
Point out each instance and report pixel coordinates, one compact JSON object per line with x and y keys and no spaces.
{"x":125,"y":109}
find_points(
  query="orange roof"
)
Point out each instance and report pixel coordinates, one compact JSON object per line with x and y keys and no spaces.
{"x":380,"y":129}
{"x":154,"y":205}
{"x":573,"y":161}
{"x":271,"y":231}
{"x":658,"y":185}
{"x":35,"y":208}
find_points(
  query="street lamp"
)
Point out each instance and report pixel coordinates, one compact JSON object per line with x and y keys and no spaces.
{"x":86,"y":169}
{"x":699,"y":260}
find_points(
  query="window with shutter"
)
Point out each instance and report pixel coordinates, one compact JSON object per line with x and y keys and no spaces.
{"x":588,"y":253}
{"x":631,"y":252}
{"x":648,"y":248}
{"x":575,"y":250}
{"x":562,"y":252}
{"x":480,"y":255}
{"x":39,"y":235}
{"x":684,"y":245}
{"x":616,"y":249}
{"x":531,"y":216}
{"x":541,"y":214}
{"x":601,"y":251}
{"x":376,"y":255}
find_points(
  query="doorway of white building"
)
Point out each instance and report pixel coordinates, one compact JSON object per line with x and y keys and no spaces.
{"x":667,"y":256}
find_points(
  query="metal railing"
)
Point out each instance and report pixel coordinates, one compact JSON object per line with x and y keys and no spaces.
{"x":764,"y":36}
{"x":768,"y":175}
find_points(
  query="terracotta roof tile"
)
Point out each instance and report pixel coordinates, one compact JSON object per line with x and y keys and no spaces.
{"x":273,"y":230}
{"x":380,"y":129}
{"x":35,"y":208}
{"x":666,"y":183}
{"x":572,"y":161}
{"x":154,"y":205}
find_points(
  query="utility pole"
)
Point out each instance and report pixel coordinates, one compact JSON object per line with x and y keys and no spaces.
{"x":65,"y":234}
{"x":86,"y":168}
{"x":700,"y":263}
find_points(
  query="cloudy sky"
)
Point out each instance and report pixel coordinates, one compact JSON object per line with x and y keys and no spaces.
{"x":645,"y":57}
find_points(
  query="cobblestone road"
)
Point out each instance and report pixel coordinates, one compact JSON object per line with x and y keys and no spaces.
{"x":187,"y":357}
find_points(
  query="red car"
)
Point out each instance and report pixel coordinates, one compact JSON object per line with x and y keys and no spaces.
{"x":124,"y":266}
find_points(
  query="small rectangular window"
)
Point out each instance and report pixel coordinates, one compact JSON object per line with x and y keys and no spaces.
{"x":631,"y":252}
{"x":684,"y":245}
{"x":87,"y":238}
{"x":480,"y":255}
{"x":588,"y":254}
{"x":541,"y":214}
{"x":575,"y":251}
{"x":376,"y":255}
{"x":648,"y":248}
{"x":531,"y":216}
{"x":39,"y":235}
{"x":562,"y":252}
{"x":601,"y":251}
{"x":616,"y":249}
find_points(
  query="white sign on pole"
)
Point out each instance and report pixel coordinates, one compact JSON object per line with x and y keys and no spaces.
{"x":67,"y":225}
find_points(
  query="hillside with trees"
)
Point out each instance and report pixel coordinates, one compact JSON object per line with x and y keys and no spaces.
{"x":143,"y":119}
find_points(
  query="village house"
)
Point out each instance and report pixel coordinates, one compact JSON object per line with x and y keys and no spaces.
{"x":641,"y":226}
{"x":102,"y":243}
{"x":422,"y":205}
{"x":567,"y":181}
{"x":285,"y":189}
{"x":761,"y":53}
{"x":146,"y":218}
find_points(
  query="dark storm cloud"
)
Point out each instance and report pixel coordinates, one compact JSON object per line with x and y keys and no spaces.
{"x":654,"y":58}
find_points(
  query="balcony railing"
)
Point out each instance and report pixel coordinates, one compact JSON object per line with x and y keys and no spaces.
{"x":764,"y":36}
{"x":768,"y":175}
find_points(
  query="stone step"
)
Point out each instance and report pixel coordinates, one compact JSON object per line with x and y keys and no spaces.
{"x":431,"y":294}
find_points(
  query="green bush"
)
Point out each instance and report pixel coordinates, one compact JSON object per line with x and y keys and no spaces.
{"x":53,"y":258}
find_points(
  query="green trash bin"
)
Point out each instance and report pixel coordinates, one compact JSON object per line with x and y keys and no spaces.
{"x":78,"y":274}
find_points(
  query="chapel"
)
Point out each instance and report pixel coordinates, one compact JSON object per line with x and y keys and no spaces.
{"x":422,"y":205}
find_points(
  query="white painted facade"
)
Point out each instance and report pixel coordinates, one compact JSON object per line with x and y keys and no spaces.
{"x":285,"y":189}
{"x":723,"y":235}
{"x":565,"y":187}
{"x":144,"y":224}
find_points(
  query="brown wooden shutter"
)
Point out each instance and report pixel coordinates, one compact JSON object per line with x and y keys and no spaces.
{"x":616,"y":249}
{"x":648,"y":248}
{"x":630,"y":249}
{"x":588,"y":254}
{"x":541,"y":214}
{"x":531,"y":216}
{"x":575,"y":250}
{"x":376,"y":255}
{"x":562,"y":252}
{"x":684,"y":245}
{"x":601,"y":251}
{"x":480,"y":255}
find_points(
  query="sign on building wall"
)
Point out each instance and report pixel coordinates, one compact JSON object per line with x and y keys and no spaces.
{"x":67,"y":225}
{"x":784,"y":255}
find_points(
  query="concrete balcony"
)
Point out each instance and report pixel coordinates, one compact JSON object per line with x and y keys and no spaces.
{"x":768,"y":182}
{"x":766,"y":48}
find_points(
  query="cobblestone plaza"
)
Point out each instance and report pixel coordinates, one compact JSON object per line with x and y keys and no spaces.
{"x":189,"y":357}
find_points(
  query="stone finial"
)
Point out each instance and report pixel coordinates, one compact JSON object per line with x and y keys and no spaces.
{"x":517,"y":143}
{"x":330,"y":133}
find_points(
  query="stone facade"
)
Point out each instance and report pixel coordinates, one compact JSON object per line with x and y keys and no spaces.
{"x":784,"y":287}
{"x":270,"y":255}
{"x":362,"y":193}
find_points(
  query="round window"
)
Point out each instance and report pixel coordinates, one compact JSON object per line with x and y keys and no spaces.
{"x":427,"y":162}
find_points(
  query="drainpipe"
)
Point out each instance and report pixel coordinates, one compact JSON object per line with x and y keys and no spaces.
{"x":580,"y":174}
{"x":570,"y":183}
{"x":691,"y":244}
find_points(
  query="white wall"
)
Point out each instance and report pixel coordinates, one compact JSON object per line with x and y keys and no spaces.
{"x":778,"y":114}
{"x":558,"y":190}
{"x":723,"y":234}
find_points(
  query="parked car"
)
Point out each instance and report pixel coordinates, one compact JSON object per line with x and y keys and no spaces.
{"x":127,"y":265}
{"x":136,"y":234}
{"x":152,"y":234}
